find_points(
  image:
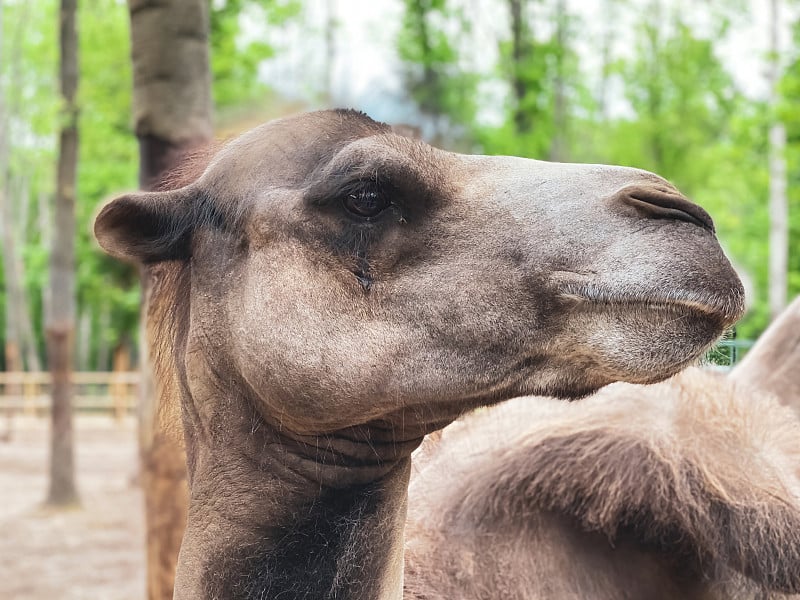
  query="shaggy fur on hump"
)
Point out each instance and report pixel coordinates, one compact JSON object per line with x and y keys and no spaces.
{"x":695,"y":470}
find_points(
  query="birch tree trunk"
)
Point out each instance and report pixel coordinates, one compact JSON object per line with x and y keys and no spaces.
{"x":778,"y":204}
{"x":330,"y":48}
{"x":13,"y":354}
{"x":11,"y":349}
{"x":61,"y":321}
{"x":21,"y":350}
{"x":172,"y":114}
{"x":19,"y":195}
{"x":558,"y":146}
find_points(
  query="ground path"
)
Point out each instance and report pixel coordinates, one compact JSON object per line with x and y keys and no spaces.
{"x":91,"y":553}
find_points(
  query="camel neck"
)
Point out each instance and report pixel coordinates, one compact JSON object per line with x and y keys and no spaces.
{"x":277,"y":518}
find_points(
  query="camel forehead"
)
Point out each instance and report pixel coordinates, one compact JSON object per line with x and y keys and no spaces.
{"x":286,"y":151}
{"x":321,"y":128}
{"x":294,"y":151}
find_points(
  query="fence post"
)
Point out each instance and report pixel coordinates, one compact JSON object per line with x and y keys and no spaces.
{"x":118,"y":388}
{"x":30,"y":393}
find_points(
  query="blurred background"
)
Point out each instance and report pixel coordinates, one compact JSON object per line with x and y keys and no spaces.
{"x":678,"y":87}
{"x":703,"y":93}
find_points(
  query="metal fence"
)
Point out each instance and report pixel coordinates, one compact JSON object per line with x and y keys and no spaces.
{"x":727,"y":353}
{"x":105,"y":392}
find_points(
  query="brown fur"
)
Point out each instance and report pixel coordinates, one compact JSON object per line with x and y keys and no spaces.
{"x":772,"y":365}
{"x":696,"y":479}
{"x":168,"y":300}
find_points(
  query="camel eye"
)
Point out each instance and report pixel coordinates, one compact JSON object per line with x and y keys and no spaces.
{"x":366,"y":204}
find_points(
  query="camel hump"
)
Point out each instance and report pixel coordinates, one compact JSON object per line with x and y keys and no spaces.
{"x":771,"y":366}
{"x":689,"y":468}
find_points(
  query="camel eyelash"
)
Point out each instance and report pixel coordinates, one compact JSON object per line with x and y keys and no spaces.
{"x":330,"y":192}
{"x":401,"y":191}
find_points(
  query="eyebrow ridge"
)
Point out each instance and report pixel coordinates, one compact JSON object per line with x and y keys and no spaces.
{"x":353,"y":179}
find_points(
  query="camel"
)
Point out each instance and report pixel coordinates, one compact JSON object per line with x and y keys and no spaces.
{"x":681,"y":490}
{"x":772,"y":364}
{"x":326,"y":292}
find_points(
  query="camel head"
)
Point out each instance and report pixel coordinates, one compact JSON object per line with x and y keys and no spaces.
{"x":338,"y":274}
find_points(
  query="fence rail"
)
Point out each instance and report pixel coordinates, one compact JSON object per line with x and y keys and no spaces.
{"x":116,"y":392}
{"x":29,"y":393}
{"x":726,"y":353}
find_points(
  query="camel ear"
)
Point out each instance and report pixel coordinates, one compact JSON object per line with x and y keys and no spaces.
{"x":773,"y":364}
{"x":146,"y":227}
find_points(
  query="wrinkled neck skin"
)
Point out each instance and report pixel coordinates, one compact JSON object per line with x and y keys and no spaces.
{"x":277,"y":515}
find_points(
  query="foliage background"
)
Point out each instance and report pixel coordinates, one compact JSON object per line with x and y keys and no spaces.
{"x":665,"y":101}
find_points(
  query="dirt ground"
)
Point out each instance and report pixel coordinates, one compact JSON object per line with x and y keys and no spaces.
{"x":92,"y":552}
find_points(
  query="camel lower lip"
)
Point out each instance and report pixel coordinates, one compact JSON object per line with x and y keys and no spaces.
{"x":723,"y":304}
{"x":674,"y":305}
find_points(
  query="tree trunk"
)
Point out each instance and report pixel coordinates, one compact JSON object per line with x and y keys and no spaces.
{"x":655,"y":100}
{"x":20,"y":339}
{"x":172,"y":114}
{"x":171,"y":82}
{"x":22,"y":351}
{"x":520,"y":54}
{"x":13,"y":356}
{"x":429,"y":103}
{"x":608,"y":36}
{"x":28,"y":345}
{"x":11,"y":346}
{"x":331,"y":25}
{"x":558,"y":146}
{"x":778,"y":204}
{"x":61,"y":322}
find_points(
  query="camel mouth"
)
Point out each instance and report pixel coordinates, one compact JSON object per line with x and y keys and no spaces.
{"x":727,"y":310}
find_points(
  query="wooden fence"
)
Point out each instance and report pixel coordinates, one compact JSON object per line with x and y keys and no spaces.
{"x":115,"y":392}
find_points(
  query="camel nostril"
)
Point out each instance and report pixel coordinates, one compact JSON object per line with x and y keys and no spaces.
{"x":663,"y":203}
